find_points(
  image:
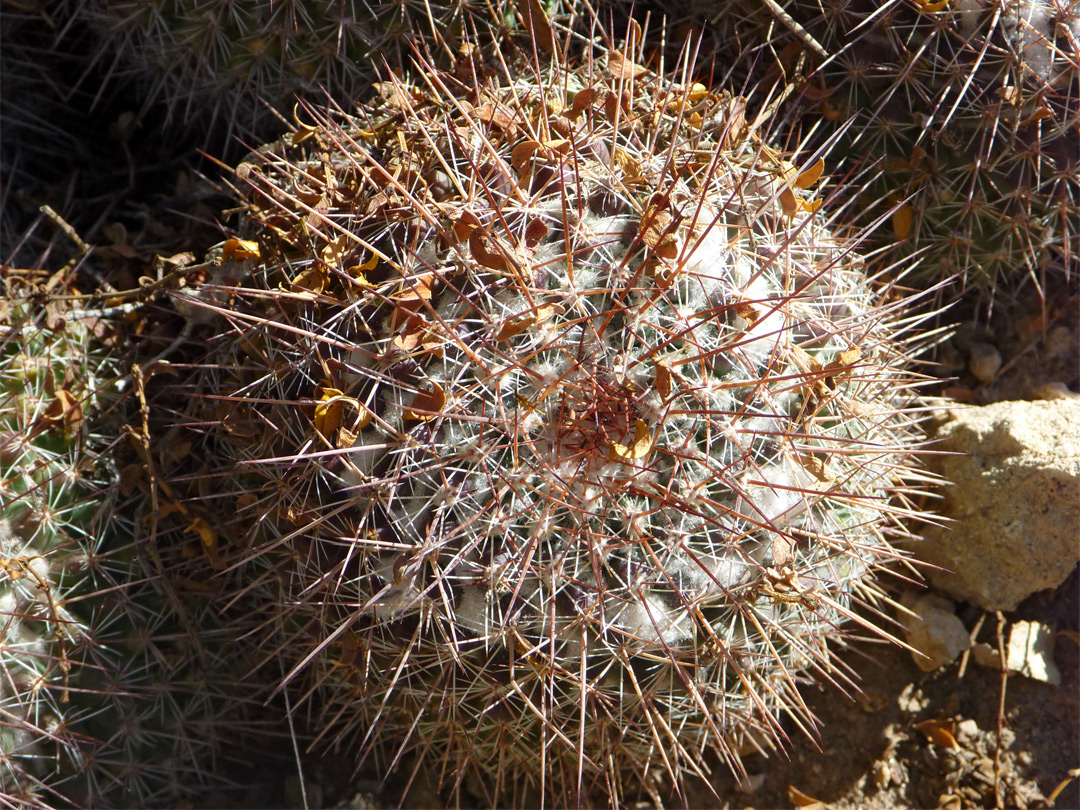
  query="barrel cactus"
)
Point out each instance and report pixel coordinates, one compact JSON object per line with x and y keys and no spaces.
{"x":562,"y":436}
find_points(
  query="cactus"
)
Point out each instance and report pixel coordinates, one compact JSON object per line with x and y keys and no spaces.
{"x":563,"y":429}
{"x":222,"y":63}
{"x":959,"y":122}
{"x":110,"y":694}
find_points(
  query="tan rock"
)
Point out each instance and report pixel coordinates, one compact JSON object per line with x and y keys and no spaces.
{"x":1013,"y":493}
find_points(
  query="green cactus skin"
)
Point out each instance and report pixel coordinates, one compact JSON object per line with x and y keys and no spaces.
{"x":563,"y":433}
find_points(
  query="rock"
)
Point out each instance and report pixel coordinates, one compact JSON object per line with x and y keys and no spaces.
{"x":935,"y":631}
{"x":984,"y":362}
{"x":1013,"y":495}
{"x":1031,"y":652}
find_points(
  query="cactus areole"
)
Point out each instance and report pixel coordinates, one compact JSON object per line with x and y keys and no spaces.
{"x":572,"y":433}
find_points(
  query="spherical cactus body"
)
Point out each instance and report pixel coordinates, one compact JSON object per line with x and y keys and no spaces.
{"x":564,"y":429}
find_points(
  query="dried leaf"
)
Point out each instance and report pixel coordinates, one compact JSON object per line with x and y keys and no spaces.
{"x":239,"y":249}
{"x":698,"y":92}
{"x":313,"y":280}
{"x":359,"y":271}
{"x":493,"y":259}
{"x":414,"y":291}
{"x":536,"y":230}
{"x":583,"y":99}
{"x":206,"y":532}
{"x":522,"y":154}
{"x":794,"y":204}
{"x":328,"y":411}
{"x":64,"y":410}
{"x":655,"y":230}
{"x":537,"y":24}
{"x":426,"y":405}
{"x":623,"y":68}
{"x":396,"y":94}
{"x":630,"y":165}
{"x":902,"y":218}
{"x":497,"y":116}
{"x":939,"y":733}
{"x":639,"y":446}
{"x":736,"y":128}
{"x":749,"y":312}
{"x":518,"y":324}
{"x":789,"y":201}
{"x":800,"y":799}
{"x":334,"y":253}
{"x":663,"y":379}
{"x":783,"y":551}
{"x":810,"y":175}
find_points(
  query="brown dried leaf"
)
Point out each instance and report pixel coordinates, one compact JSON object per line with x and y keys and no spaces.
{"x":335,"y":252}
{"x":583,"y":99}
{"x":789,"y":201}
{"x":206,"y":532}
{"x":800,"y":799}
{"x":396,"y":94}
{"x":623,"y":68}
{"x":239,"y":249}
{"x":496,"y":116}
{"x":663,"y":379}
{"x":313,"y":280}
{"x":811,"y":174}
{"x":65,"y":411}
{"x":639,"y":446}
{"x":494,"y":259}
{"x":518,"y":324}
{"x":328,"y":411}
{"x":783,"y":551}
{"x":426,"y":405}
{"x":359,"y":271}
{"x":630,"y":165}
{"x":749,"y":312}
{"x":522,"y":154}
{"x":939,"y":733}
{"x":655,"y":229}
{"x":537,"y":24}
{"x":413,"y":292}
{"x":902,"y":219}
{"x":536,"y":230}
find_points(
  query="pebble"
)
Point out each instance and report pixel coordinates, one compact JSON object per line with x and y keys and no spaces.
{"x":984,"y":362}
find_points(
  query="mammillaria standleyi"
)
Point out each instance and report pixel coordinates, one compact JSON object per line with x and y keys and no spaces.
{"x":566,"y":433}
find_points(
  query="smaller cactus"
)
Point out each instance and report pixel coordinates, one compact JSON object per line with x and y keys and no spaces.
{"x":53,"y":379}
{"x":117,"y":687}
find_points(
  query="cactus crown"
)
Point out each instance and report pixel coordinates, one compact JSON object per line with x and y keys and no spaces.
{"x":564,"y":415}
